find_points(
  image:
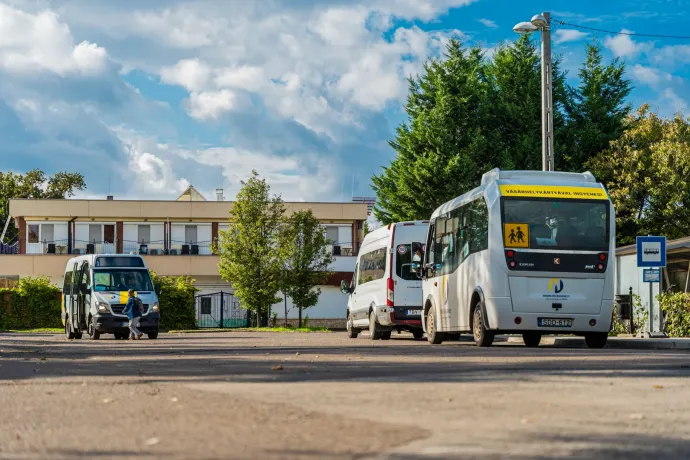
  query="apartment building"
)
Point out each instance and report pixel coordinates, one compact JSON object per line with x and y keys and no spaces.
{"x":176,"y":238}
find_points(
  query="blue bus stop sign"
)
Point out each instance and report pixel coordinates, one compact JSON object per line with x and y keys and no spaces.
{"x":651,"y":251}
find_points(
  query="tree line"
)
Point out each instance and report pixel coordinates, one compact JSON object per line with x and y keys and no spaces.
{"x":469,"y":113}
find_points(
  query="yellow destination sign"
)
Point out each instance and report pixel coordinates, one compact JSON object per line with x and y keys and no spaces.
{"x":554,"y":191}
{"x":516,"y":235}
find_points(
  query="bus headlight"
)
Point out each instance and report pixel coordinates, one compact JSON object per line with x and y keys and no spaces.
{"x":156,"y":307}
{"x":102,"y":307}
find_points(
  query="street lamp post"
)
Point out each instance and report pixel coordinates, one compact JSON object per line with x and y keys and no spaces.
{"x":542,"y":22}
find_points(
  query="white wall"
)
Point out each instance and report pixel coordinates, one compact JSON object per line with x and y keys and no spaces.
{"x":332,"y":305}
{"x":629,"y":275}
{"x":345,"y":236}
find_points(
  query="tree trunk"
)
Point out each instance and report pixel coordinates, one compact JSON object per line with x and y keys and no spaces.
{"x":299,"y":324}
{"x":286,"y":321}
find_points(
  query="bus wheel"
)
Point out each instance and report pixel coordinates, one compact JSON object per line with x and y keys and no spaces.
{"x":68,"y":330}
{"x":482,"y":336}
{"x":386,"y":335}
{"x":434,"y":337}
{"x":531,"y":339}
{"x":418,"y":334}
{"x":596,"y":339}
{"x":352,"y":332}
{"x":374,"y":329}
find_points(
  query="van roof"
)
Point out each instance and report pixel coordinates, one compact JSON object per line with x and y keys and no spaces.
{"x":92,"y":257}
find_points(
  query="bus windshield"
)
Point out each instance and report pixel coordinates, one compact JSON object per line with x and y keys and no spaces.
{"x":113,"y":279}
{"x":575,"y":225}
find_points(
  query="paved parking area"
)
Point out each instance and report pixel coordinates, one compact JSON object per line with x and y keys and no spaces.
{"x":321,"y":395}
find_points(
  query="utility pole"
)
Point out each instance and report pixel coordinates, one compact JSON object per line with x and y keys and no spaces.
{"x":546,"y":96}
{"x":542,"y":22}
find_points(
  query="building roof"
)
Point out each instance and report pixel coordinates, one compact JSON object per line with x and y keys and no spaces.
{"x":191,"y":194}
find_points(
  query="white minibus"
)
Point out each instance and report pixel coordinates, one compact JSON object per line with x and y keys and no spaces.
{"x":385,"y":293}
{"x":95,"y":292}
{"x":526,"y":252}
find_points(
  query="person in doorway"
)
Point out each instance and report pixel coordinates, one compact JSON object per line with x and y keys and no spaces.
{"x":133,"y":312}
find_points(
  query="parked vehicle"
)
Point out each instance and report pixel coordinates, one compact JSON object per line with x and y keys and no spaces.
{"x":385,"y":293}
{"x":95,"y":292}
{"x":526,"y":252}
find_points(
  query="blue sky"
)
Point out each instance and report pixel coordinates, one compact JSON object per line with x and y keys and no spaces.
{"x":145,"y":98}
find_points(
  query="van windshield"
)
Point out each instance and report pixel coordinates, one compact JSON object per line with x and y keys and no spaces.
{"x":405,"y":254}
{"x":114,"y":279}
{"x":575,"y":225}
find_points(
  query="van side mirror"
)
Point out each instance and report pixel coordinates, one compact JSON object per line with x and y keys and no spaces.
{"x":84,"y":289}
{"x":157,"y":289}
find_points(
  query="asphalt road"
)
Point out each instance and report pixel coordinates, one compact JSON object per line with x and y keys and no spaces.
{"x":269,"y":395}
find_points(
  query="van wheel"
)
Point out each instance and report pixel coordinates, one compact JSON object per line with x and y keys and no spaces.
{"x":482,"y":336}
{"x":152,"y":335}
{"x":434,"y":337}
{"x":121,"y":336}
{"x":531,"y":339}
{"x":69,"y":334}
{"x":386,"y":335}
{"x":78,"y":335}
{"x":352,"y":332}
{"x":596,"y":339}
{"x":374,"y":329}
{"x":418,"y":334}
{"x":93,"y":333}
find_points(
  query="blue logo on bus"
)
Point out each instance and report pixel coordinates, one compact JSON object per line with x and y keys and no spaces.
{"x":555,"y":285}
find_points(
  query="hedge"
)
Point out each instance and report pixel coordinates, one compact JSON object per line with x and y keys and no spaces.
{"x":34,"y":303}
{"x":677,"y":309}
{"x":177,"y":302}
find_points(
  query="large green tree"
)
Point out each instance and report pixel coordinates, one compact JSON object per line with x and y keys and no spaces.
{"x":304,"y":250}
{"x":249,"y":250}
{"x":597,"y":110}
{"x":466,"y":115}
{"x":648,"y":167}
{"x":35,"y":184}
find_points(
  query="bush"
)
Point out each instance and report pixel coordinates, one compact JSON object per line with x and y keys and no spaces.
{"x":34,"y":303}
{"x":677,"y":309}
{"x":176,"y":301}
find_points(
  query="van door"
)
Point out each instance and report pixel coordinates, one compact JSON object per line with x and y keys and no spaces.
{"x":71,"y":302}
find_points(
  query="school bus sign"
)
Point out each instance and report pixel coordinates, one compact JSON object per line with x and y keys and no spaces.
{"x":516,"y":235}
{"x":554,"y":191}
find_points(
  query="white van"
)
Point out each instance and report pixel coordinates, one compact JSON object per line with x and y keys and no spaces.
{"x":385,"y":293}
{"x":95,"y":292}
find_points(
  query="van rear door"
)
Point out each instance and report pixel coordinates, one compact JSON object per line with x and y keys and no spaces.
{"x":408,"y":241}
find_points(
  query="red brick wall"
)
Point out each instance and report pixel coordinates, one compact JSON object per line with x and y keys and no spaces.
{"x":21,"y":224}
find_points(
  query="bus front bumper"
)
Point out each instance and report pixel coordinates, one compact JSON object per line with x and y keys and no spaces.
{"x":108,"y":323}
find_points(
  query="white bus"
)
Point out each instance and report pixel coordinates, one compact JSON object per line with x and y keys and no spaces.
{"x":526,"y":252}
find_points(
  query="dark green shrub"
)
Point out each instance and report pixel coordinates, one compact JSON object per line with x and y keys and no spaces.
{"x":34,"y":303}
{"x":176,"y":301}
{"x":677,"y":309}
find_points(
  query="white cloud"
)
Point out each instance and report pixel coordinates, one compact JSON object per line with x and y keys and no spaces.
{"x":489,"y":23}
{"x":192,"y":74}
{"x":211,"y":105}
{"x":624,"y":46}
{"x":650,"y":76}
{"x":673,"y":102}
{"x":40,"y":42}
{"x":568,"y":35}
{"x":250,"y":78}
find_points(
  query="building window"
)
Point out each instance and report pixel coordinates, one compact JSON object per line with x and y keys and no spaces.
{"x":48,"y":233}
{"x":190,"y":234}
{"x":206,"y":305}
{"x":144,"y":234}
{"x":94,"y":233}
{"x":332,"y":234}
{"x":33,"y":233}
{"x":109,"y":234}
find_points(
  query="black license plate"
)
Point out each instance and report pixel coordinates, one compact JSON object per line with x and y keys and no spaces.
{"x":555,"y":322}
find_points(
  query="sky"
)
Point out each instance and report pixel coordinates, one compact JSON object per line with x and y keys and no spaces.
{"x":147,"y":97}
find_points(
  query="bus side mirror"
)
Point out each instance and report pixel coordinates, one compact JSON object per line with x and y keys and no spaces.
{"x":345,"y":287}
